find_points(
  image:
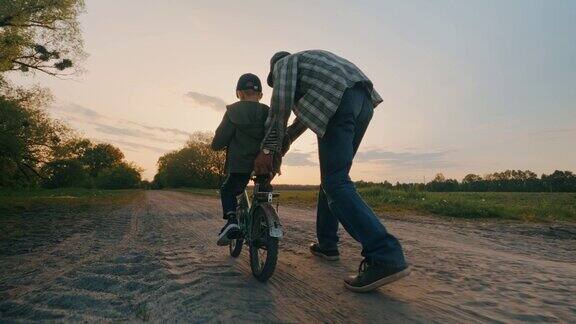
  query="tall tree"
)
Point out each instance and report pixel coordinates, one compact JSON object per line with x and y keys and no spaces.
{"x":27,"y":140}
{"x":73,"y":148}
{"x":101,"y":156}
{"x":195,"y":165}
{"x":121,"y":176}
{"x":471,"y":178}
{"x":40,"y":35}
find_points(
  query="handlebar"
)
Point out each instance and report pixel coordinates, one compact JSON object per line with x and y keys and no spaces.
{"x":263,"y":190}
{"x":262,"y":183}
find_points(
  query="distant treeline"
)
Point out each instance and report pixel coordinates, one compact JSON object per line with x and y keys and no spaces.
{"x":506,"y":181}
{"x":36,"y":150}
{"x":196,"y":165}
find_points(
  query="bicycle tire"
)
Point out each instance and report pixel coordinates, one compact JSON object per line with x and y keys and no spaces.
{"x":236,"y":247}
{"x":261,"y":234}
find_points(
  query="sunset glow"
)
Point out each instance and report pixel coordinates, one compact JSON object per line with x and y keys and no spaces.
{"x":467,"y":87}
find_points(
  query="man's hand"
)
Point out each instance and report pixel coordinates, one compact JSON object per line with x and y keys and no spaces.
{"x":264,"y":165}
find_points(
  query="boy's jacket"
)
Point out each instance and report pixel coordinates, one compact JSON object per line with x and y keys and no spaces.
{"x":240,"y":133}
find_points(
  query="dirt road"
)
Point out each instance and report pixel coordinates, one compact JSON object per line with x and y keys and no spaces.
{"x":156,"y":260}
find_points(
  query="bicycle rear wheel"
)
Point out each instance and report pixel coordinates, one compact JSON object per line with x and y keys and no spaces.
{"x":263,"y":247}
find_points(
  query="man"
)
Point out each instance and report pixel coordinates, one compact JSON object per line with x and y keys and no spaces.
{"x":333,"y":98}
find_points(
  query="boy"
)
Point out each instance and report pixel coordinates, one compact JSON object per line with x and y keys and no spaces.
{"x":240,"y":133}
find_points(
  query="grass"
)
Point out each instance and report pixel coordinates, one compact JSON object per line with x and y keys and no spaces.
{"x":538,"y":207}
{"x":16,"y":206}
{"x":30,"y":199}
{"x":541,"y":207}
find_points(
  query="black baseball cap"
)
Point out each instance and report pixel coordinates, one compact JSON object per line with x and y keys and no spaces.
{"x":275,"y":58}
{"x":249,"y":81}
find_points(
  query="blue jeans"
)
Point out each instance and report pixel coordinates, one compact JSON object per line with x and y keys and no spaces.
{"x":338,"y":200}
{"x":234,"y":185}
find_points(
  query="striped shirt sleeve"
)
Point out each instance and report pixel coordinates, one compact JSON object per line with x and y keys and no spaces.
{"x":285,"y":78}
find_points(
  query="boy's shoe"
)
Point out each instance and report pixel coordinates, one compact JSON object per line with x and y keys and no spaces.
{"x":228,"y":232}
{"x":372,"y":275}
{"x":330,"y":255}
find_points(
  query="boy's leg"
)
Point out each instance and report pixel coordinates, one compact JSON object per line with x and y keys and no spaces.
{"x":234,"y":185}
{"x":226,"y":196}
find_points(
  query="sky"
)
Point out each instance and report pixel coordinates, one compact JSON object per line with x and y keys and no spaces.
{"x":468,"y":86}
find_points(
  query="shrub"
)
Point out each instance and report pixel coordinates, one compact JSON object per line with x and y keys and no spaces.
{"x":65,"y":173}
{"x":120,"y":176}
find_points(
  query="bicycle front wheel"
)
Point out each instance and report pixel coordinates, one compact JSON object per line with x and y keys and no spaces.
{"x":263,"y":247}
{"x":236,"y":246}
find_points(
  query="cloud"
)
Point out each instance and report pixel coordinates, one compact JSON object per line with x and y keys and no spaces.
{"x":297,"y":158}
{"x":553,"y":134}
{"x":78,"y":113}
{"x":121,"y":131}
{"x":207,"y":101}
{"x":134,"y":136}
{"x":77,"y":110}
{"x":419,"y":160}
{"x":414,"y":160}
{"x":163,"y":129}
{"x":138,"y":146}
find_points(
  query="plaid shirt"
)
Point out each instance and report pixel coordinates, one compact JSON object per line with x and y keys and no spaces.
{"x":310,"y":83}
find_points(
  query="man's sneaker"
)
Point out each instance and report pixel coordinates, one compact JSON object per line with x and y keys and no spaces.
{"x":372,"y":275}
{"x":228,"y":232}
{"x":330,"y":255}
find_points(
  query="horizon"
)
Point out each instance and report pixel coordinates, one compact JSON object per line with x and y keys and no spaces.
{"x":468,"y":88}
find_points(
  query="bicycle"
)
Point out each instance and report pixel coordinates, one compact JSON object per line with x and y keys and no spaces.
{"x":260,"y":228}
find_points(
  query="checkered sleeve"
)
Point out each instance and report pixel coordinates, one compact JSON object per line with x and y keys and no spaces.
{"x":295,"y":130}
{"x":285,"y":77}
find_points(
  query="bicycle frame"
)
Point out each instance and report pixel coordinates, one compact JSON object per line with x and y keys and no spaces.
{"x":247,"y":206}
{"x":243,"y":213}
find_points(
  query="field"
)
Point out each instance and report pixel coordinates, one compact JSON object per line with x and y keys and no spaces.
{"x":18,"y":207}
{"x":545,"y":207}
{"x":25,"y":199}
{"x":539,"y":207}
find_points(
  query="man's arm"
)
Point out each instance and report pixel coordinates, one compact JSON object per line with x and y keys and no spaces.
{"x":295,"y":130}
{"x":292,"y":133}
{"x":224,"y":134}
{"x":285,"y":76}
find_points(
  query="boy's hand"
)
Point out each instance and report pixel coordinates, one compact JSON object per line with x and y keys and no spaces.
{"x":264,"y":164}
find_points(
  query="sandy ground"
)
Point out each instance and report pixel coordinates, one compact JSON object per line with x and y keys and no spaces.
{"x":156,"y":260}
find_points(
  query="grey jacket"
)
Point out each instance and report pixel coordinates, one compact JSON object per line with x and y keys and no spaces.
{"x":240,"y":133}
